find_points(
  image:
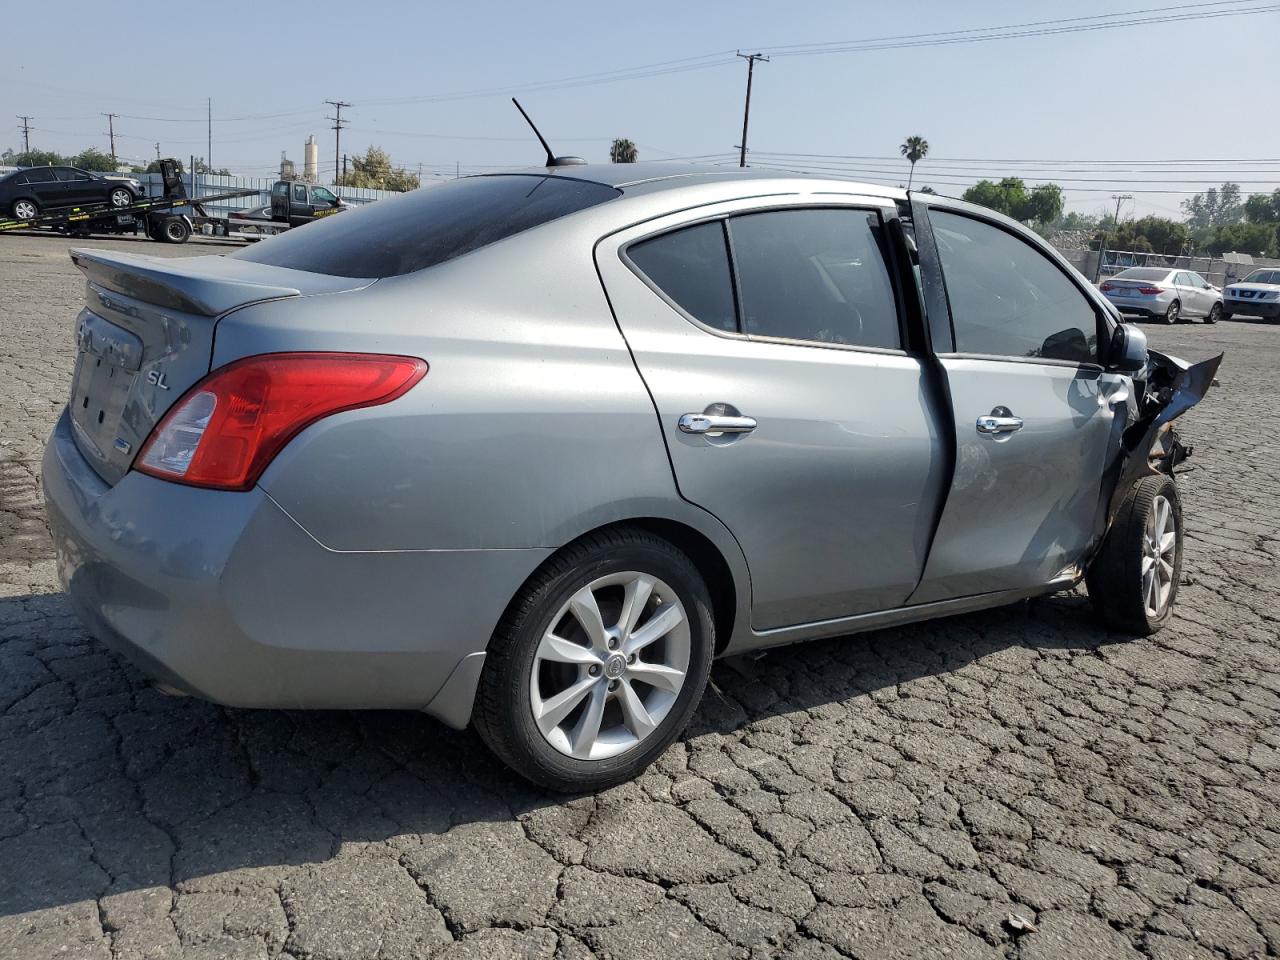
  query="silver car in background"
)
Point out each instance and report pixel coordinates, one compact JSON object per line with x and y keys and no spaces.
{"x":528,"y":450}
{"x":1164,"y":294}
{"x":1257,"y":295}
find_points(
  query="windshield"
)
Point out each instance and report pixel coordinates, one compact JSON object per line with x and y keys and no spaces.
{"x":1263,"y":276}
{"x":1142,"y":273}
{"x":427,"y":226}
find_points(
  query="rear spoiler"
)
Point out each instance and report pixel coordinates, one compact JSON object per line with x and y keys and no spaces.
{"x":209,"y":286}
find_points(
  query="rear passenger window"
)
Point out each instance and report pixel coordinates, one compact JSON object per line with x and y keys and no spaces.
{"x":1007,"y":298}
{"x":691,"y":267}
{"x":815,"y":275}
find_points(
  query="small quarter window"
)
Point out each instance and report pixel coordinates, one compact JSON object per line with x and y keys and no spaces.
{"x":691,"y":267}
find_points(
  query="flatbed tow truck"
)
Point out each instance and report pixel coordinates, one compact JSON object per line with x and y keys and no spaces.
{"x":171,"y":218}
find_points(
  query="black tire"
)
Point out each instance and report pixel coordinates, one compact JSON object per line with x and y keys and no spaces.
{"x":175,"y":230}
{"x":120,"y":197}
{"x":503,"y":713}
{"x":1227,"y":315}
{"x":1215,"y":314}
{"x":1116,"y":577}
{"x":1171,"y":315}
{"x":25,"y":208}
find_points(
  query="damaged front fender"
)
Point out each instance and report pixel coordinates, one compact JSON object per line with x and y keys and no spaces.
{"x":1166,"y":389}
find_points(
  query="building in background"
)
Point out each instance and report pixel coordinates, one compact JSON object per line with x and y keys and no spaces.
{"x":311,"y":161}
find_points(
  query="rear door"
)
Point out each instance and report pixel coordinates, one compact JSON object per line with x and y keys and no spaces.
{"x":1019,"y":341}
{"x":46,"y":188}
{"x":770,"y":341}
{"x":300,"y":209}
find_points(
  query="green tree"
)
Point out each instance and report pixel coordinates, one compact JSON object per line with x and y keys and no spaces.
{"x":373,"y":169}
{"x":1263,"y":208}
{"x":202,"y":168}
{"x":1151,"y":234}
{"x":1077,"y":221}
{"x":91,"y":158}
{"x":927,"y":189}
{"x":32,"y":158}
{"x":1252,"y":238}
{"x":1216,"y":207}
{"x":1042,"y":205}
{"x":623,"y":151}
{"x":915,"y":149}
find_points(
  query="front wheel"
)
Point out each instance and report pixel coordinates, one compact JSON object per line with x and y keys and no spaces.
{"x":120,"y":197}
{"x":598,"y":664}
{"x":1215,"y":314}
{"x":1133,"y":581}
{"x":175,"y":230}
{"x":1171,"y":315}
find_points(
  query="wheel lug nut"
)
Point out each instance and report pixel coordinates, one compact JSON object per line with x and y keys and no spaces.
{"x":594,"y":670}
{"x":631,"y":658}
{"x":613,"y":684}
{"x":613,"y":643}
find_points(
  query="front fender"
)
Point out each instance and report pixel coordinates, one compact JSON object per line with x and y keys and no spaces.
{"x":1148,"y":444}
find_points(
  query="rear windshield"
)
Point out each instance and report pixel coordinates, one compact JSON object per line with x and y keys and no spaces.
{"x":427,"y":226}
{"x":1142,"y":273}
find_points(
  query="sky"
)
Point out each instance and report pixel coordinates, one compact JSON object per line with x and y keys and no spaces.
{"x":1099,"y":111}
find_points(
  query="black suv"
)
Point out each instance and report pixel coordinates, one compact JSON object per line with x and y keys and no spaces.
{"x":25,"y":193}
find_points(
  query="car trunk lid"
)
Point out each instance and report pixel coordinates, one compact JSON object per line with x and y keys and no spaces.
{"x":146,"y":335}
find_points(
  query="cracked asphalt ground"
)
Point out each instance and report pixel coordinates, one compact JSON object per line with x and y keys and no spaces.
{"x":888,"y":795}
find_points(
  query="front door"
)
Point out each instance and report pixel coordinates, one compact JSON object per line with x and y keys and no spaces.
{"x":1033,"y":407}
{"x":770,"y":341}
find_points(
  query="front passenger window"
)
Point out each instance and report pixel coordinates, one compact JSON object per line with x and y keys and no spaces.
{"x":1007,"y":298}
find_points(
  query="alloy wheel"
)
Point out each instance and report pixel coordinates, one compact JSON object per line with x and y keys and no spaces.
{"x":610,"y":666}
{"x":1171,"y":315}
{"x":24,"y":210}
{"x":121,"y":198}
{"x":1159,"y":551}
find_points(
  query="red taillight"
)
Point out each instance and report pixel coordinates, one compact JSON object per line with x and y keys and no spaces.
{"x":1150,"y":290}
{"x":228,"y":427}
{"x":1107,"y":286}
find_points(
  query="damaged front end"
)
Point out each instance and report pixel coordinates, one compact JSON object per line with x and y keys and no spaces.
{"x":1164,"y":389}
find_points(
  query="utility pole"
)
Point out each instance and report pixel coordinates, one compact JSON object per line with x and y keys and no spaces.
{"x":111,"y":132}
{"x":208,"y":159}
{"x":337,"y":133}
{"x":1119,"y":198}
{"x":751,"y":59}
{"x":157,"y":151}
{"x":344,"y":168}
{"x":26,"y":133}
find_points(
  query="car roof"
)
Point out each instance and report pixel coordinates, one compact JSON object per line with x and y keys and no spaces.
{"x":655,"y":176}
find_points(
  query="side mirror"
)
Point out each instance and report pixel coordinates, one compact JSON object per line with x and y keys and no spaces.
{"x":1128,"y":349}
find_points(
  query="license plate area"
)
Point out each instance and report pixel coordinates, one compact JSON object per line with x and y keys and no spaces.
{"x":106,"y":363}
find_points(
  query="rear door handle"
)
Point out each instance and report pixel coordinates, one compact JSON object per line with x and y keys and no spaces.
{"x":715,"y":423}
{"x":1000,"y":420}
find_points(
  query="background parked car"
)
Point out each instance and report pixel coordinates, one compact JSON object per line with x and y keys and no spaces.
{"x":1164,"y":293}
{"x":25,"y":193}
{"x":1257,"y":295}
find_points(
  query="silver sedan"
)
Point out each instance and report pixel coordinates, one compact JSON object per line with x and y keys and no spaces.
{"x":529,"y":450}
{"x":1165,"y":294}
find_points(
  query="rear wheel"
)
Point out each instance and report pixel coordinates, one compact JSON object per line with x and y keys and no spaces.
{"x":25,"y":209}
{"x":598,"y":664}
{"x":120,"y":197}
{"x":175,"y":230}
{"x":1171,"y":315}
{"x":1215,"y":314}
{"x":1133,"y":581}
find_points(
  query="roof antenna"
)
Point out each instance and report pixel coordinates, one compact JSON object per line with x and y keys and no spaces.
{"x":552,"y":160}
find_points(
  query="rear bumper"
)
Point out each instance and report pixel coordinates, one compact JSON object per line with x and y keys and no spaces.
{"x":223,"y":596}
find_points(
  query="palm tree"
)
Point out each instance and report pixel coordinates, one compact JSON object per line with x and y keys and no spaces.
{"x":623,"y":151}
{"x":914,"y":149}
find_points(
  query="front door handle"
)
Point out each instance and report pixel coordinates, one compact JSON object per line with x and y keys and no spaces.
{"x":999,"y":420}
{"x":703,"y":423}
